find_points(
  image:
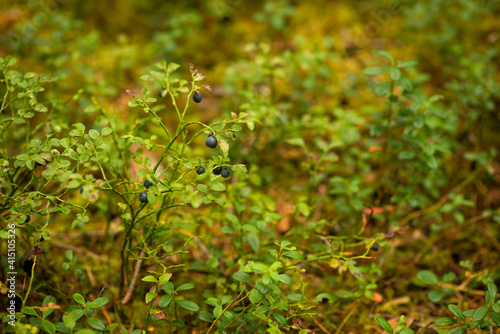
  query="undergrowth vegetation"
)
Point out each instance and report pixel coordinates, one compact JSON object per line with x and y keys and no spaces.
{"x":265,"y":167}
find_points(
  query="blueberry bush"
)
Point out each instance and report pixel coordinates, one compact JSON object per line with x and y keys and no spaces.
{"x":326,"y":167}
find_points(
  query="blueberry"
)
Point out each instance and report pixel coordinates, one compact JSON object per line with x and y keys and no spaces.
{"x":28,"y":218}
{"x":147,"y":184}
{"x":160,"y":92}
{"x":375,"y":247}
{"x":143,"y":197}
{"x":28,"y":266}
{"x":200,"y":170}
{"x":197,"y":97}
{"x":211,"y":141}
{"x":81,"y":189}
{"x":225,"y":173}
{"x":217,"y":170}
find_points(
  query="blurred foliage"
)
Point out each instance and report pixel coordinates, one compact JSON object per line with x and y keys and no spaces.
{"x":369,"y":130}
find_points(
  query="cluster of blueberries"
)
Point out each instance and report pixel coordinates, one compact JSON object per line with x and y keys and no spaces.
{"x":210,"y":142}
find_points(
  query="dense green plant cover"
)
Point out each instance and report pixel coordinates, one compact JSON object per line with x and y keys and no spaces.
{"x":325,"y":173}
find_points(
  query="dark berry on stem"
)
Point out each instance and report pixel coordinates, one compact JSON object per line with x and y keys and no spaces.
{"x":147,"y":184}
{"x":211,"y":141}
{"x":225,"y":173}
{"x":217,"y":170}
{"x":28,"y":266}
{"x":375,"y":247}
{"x":200,"y":170}
{"x":197,"y":97}
{"x":160,"y":93}
{"x":143,"y":197}
{"x":28,"y":218}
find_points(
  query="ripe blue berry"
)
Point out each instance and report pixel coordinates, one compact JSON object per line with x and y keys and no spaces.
{"x":225,"y":173}
{"x":28,"y":218}
{"x":147,"y":184}
{"x":200,"y":170}
{"x":375,"y":247}
{"x":143,"y":197}
{"x":217,"y":170}
{"x":28,"y":266}
{"x":160,"y":93}
{"x":197,"y":97}
{"x":211,"y":141}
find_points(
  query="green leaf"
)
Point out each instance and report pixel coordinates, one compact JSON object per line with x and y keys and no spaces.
{"x":79,"y":298}
{"x":488,"y":298}
{"x":293,"y":255}
{"x":255,"y":296}
{"x":111,"y":327}
{"x":188,"y":305}
{"x":384,"y":324}
{"x":226,"y":299}
{"x":394,"y":73}
{"x":456,"y":311}
{"x":457,"y":330}
{"x":401,"y":324}
{"x":428,"y":277}
{"x":385,"y":54}
{"x":86,"y":331}
{"x":407,"y":331}
{"x":79,"y":126}
{"x":480,"y":313}
{"x":297,"y":297}
{"x":286,"y":279}
{"x":253,"y":241}
{"x":149,"y":278}
{"x":164,"y":278}
{"x":217,"y":186}
{"x":469,"y":313}
{"x":98,"y":302}
{"x":94,"y":134}
{"x":224,"y":146}
{"x":29,"y":311}
{"x":205,"y":316}
{"x":242,"y":277}
{"x":382,"y":89}
{"x":449,"y":277}
{"x":48,"y":326}
{"x":165,"y":300}
{"x":406,"y":84}
{"x":172,"y":67}
{"x":217,"y":311}
{"x":106,"y":131}
{"x":444,"y":322}
{"x":431,"y":161}
{"x":492,"y":289}
{"x":10,"y":61}
{"x":203,"y":188}
{"x":435,"y":295}
{"x":69,"y":320}
{"x":495,"y":316}
{"x":371,"y":71}
{"x":296,"y":142}
{"x":185,"y":286}
{"x":150,"y":296}
{"x":407,"y":63}
{"x":406,"y":155}
{"x":280,"y":318}
{"x":96,"y":323}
